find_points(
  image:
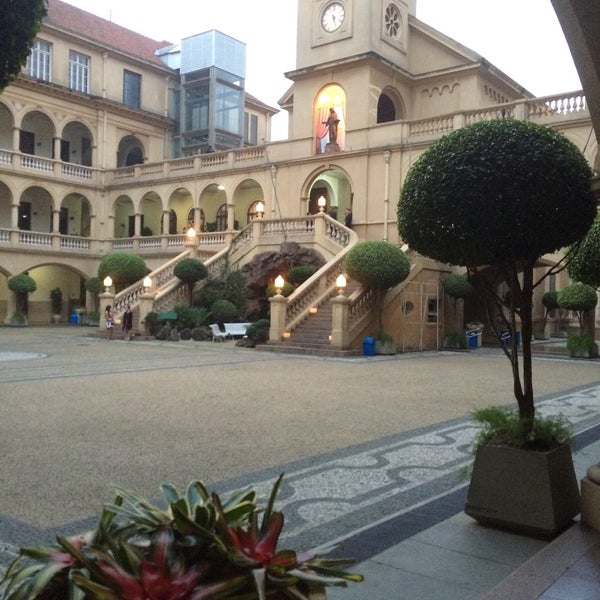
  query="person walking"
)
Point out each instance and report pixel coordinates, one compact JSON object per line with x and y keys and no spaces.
{"x":128,"y":323}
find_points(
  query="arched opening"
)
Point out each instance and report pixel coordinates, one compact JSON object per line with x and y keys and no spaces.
{"x":222,"y":218}
{"x":212,"y":199}
{"x":6,"y":128}
{"x":333,"y":185}
{"x":36,"y":135}
{"x":76,"y":144}
{"x":35,"y":210}
{"x":151,"y":209}
{"x":246,"y":195}
{"x":386,"y":110}
{"x":180,"y":205}
{"x":124,"y":218}
{"x":5,"y":207}
{"x":75,"y":216}
{"x":130,"y":152}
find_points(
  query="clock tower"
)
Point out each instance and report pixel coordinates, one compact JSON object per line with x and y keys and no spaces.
{"x":348,"y":53}
{"x":336,"y":29}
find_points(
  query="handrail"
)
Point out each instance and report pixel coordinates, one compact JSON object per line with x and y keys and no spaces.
{"x":319,"y":287}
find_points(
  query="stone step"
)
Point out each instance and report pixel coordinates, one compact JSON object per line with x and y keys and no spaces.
{"x":326,"y":352}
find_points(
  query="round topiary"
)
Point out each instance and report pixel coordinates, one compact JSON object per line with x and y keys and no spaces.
{"x":457,"y":286}
{"x":124,"y":268}
{"x":22,"y":284}
{"x":190,"y":271}
{"x":377,"y":264}
{"x":223,"y":310}
{"x":584,"y":265}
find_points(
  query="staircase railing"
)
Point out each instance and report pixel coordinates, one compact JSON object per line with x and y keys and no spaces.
{"x":319,"y":287}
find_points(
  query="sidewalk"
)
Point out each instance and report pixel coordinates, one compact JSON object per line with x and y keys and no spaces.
{"x":459,"y":560}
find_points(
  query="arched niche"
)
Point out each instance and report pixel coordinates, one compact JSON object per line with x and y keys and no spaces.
{"x":130,"y":152}
{"x":330,"y":97}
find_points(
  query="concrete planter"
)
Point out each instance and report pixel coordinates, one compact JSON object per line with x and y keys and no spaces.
{"x":530,"y":492}
{"x":384,"y":347}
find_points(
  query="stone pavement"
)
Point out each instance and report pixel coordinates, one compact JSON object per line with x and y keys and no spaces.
{"x":375,"y":449}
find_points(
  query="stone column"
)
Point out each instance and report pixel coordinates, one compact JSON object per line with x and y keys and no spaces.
{"x":278,"y":310}
{"x":339,"y":322}
{"x":146,"y":306}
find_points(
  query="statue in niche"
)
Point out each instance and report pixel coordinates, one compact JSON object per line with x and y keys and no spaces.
{"x":332,"y":125}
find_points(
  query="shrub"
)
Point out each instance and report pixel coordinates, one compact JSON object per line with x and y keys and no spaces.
{"x":223,"y":310}
{"x":259,"y":331}
{"x":152,"y":323}
{"x":201,"y":334}
{"x":56,"y":299}
{"x":185,"y":334}
{"x":582,"y":345}
{"x":190,"y":317}
{"x":286,"y":290}
{"x":298,"y":275}
{"x":163,"y":333}
{"x":174,"y":335}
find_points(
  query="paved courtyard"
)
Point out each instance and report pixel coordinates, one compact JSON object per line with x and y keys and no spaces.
{"x":361,"y":440}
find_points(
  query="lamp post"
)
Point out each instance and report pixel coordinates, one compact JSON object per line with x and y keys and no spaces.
{"x":107,"y":283}
{"x":340,"y":284}
{"x":278,"y":311}
{"x":279,"y":283}
{"x":260,"y":210}
{"x":321,"y":202}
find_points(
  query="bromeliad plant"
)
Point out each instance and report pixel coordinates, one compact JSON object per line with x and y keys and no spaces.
{"x":200,"y":547}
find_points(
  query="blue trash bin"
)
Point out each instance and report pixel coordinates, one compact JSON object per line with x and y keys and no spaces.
{"x":472,"y":338}
{"x":369,"y":346}
{"x":74,"y":319}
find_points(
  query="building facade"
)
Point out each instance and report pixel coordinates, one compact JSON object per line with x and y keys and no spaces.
{"x":118,"y":166}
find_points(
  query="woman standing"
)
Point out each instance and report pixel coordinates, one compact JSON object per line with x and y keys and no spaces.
{"x":108,"y":322}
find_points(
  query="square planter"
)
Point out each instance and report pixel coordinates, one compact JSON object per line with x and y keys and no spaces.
{"x":526,"y":491}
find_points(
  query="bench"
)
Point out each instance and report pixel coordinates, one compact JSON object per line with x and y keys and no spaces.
{"x":167,"y":316}
{"x":236,"y":329}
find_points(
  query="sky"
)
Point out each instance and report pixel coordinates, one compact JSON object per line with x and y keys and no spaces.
{"x":522,"y":38}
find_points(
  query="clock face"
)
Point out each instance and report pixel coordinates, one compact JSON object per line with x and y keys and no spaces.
{"x":333,"y":17}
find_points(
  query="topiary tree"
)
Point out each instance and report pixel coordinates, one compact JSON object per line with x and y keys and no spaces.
{"x":550,"y":303}
{"x":584,"y":264}
{"x":190,"y":271}
{"x":499,"y":194}
{"x":458,"y":287}
{"x":380,"y":266}
{"x":223,"y":310}
{"x":579,"y":298}
{"x":124,"y":268}
{"x":19,"y":23}
{"x":94,"y":286}
{"x":22,"y":284}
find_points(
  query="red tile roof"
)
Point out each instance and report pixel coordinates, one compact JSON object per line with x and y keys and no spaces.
{"x":84,"y":24}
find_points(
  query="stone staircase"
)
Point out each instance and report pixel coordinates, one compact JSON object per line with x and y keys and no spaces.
{"x":311,"y":336}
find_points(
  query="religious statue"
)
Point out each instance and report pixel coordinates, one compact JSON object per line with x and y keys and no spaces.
{"x":332,"y":125}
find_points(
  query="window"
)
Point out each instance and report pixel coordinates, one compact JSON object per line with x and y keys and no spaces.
{"x":251,"y":128}
{"x":38,"y":64}
{"x":79,"y":71}
{"x":432,"y":310}
{"x":132,"y":89}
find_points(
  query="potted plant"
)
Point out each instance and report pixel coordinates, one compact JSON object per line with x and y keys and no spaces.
{"x":199,"y":546}
{"x":379,"y":266}
{"x":494,"y":197}
{"x":56,"y":300}
{"x":93,"y":318}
